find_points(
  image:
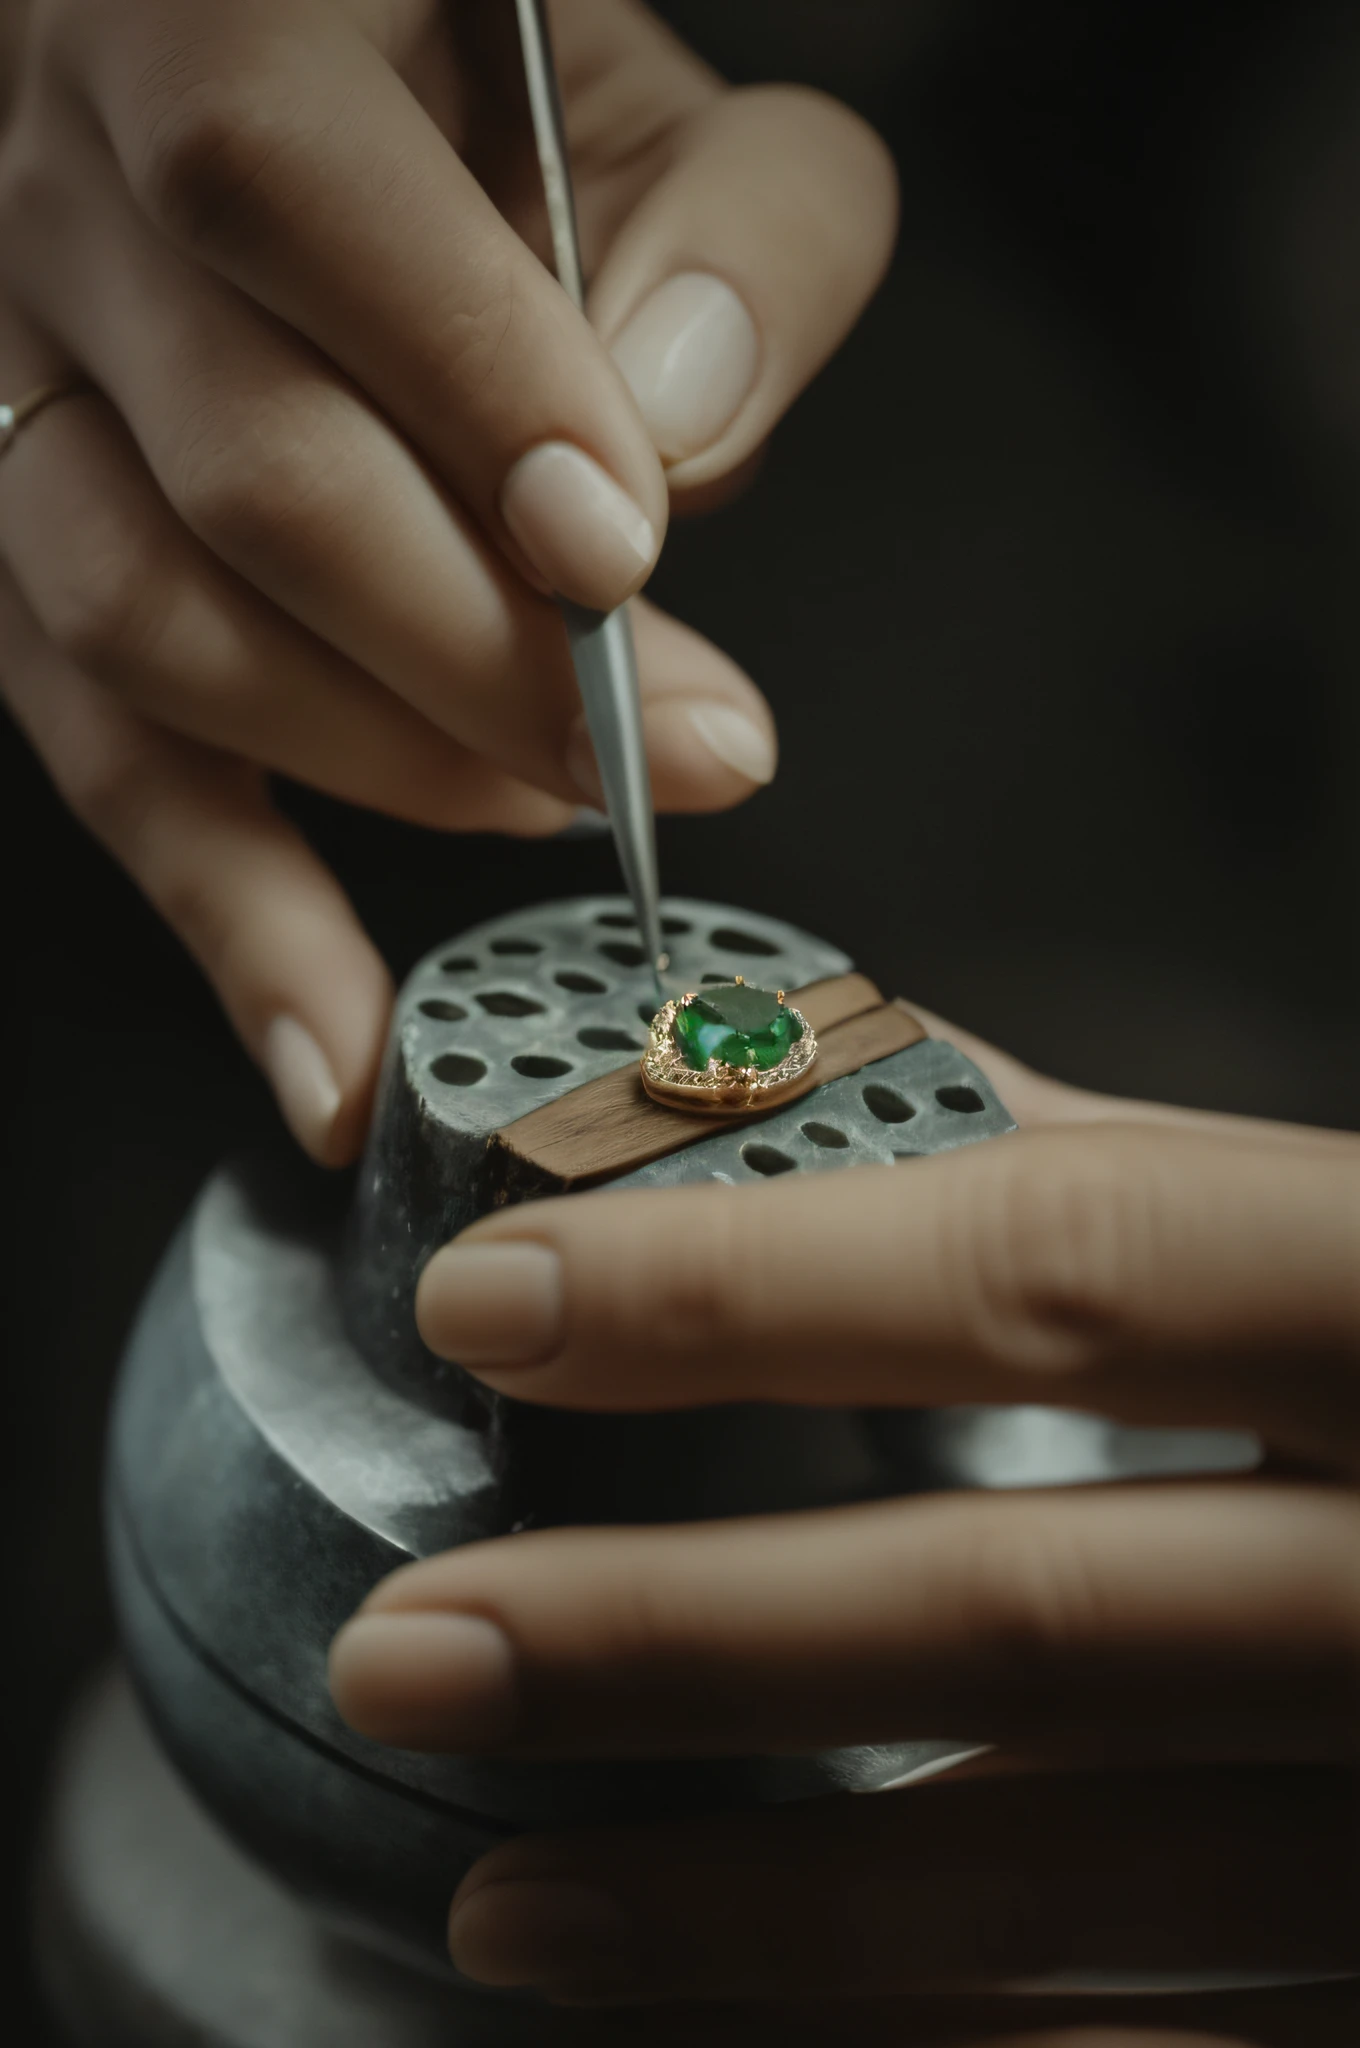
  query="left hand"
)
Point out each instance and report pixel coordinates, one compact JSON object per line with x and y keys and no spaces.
{"x":1170,"y":1672}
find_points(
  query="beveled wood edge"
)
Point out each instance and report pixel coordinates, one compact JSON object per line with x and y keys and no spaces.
{"x":611,"y":1126}
{"x":835,"y":1000}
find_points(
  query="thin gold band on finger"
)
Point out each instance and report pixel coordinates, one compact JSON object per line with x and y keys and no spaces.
{"x":27,"y":408}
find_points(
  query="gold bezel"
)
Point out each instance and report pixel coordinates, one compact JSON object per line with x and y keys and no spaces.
{"x":719,"y":1090}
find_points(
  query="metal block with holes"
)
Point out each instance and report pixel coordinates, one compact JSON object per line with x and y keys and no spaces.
{"x":281,"y":1439}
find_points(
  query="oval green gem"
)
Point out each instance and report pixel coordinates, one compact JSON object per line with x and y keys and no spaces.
{"x":740,"y":1026}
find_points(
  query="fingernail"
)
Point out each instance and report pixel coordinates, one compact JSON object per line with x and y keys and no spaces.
{"x":689,"y":357}
{"x":588,"y":823}
{"x":492,"y":1304}
{"x":555,"y":1937}
{"x":736,"y":739}
{"x":425,"y":1681}
{"x":301,"y":1077}
{"x":684,"y":739}
{"x":580,"y":530}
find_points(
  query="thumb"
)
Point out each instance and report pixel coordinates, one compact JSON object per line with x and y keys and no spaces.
{"x":741,"y":269}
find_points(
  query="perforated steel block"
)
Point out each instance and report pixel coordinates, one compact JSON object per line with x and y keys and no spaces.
{"x":517,"y":1011}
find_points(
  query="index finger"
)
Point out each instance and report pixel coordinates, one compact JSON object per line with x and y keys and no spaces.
{"x":1153,"y":1275}
{"x":280,"y":147}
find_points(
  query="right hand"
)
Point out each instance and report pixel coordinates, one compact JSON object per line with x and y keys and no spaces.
{"x":344,"y":435}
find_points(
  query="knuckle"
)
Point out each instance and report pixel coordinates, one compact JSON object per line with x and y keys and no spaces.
{"x":1051,"y":1254}
{"x":111,"y":787}
{"x":207,"y":150}
{"x":34,"y":202}
{"x":1029,"y":1595}
{"x":702,"y":1294}
{"x":105,"y":619}
{"x":474,"y":323}
{"x":257,"y":478}
{"x":189,"y":896}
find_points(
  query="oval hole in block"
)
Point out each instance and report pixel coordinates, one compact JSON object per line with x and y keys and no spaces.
{"x":827,"y":1135}
{"x":728,"y":940}
{"x":766,"y":1159}
{"x":503,"y":1002}
{"x":580,"y":984}
{"x":457,"y":963}
{"x":457,"y":1069}
{"x":447,"y":1013}
{"x":646,"y":1012}
{"x":623,"y":954}
{"x":539,"y":1066}
{"x":965,"y":1101}
{"x":887,"y":1105}
{"x":676,"y":927}
{"x":508,"y":947}
{"x":618,"y":920}
{"x":604,"y":1038}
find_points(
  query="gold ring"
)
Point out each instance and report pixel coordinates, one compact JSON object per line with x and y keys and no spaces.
{"x":726,"y":1049}
{"x":24,"y":409}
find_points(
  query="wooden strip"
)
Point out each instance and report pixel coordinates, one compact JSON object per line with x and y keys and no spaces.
{"x":611,"y":1126}
{"x":825,"y":1003}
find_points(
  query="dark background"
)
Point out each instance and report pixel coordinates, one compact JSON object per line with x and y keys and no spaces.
{"x":1051,"y":580}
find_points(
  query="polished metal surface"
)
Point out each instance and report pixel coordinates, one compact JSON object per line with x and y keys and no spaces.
{"x":601,"y":643}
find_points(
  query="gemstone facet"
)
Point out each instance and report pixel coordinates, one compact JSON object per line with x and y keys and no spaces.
{"x":737,"y":1026}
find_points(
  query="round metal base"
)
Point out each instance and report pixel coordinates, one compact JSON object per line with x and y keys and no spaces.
{"x":154,"y":1931}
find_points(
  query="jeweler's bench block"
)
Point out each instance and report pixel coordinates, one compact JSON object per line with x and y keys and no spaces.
{"x":512,"y":1072}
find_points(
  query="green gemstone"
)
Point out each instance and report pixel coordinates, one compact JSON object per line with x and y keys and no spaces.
{"x":740,"y":1026}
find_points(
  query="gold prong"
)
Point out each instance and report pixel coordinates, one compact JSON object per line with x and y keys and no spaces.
{"x":779,"y":995}
{"x":740,"y":980}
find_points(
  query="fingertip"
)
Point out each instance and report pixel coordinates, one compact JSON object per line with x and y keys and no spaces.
{"x":304,"y":1085}
{"x":713,"y":328}
{"x":689,"y":354}
{"x":489,"y":1305}
{"x":711,"y":737}
{"x":583,"y":533}
{"x":324,"y":1071}
{"x":539,"y":816}
{"x":424,"y":1679}
{"x":708,"y":754}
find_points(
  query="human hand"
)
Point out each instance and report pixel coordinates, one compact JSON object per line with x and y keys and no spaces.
{"x":1170,"y":1672}
{"x":345,"y":432}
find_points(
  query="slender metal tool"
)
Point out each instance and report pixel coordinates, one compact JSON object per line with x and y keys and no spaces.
{"x":601,"y":642}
